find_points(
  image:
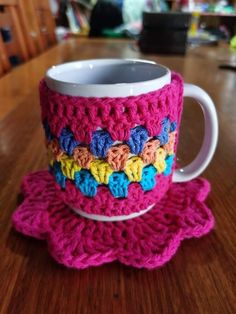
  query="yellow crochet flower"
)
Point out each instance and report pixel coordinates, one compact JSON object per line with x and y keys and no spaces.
{"x":69,"y":167}
{"x":133,"y":169}
{"x":160,"y":163}
{"x":101,"y":170}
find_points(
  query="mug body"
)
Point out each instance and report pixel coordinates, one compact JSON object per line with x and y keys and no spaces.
{"x":112,"y":130}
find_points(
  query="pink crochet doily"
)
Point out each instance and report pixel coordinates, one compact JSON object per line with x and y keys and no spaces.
{"x":147,"y":241}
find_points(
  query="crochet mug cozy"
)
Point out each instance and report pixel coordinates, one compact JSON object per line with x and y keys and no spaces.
{"x":112,"y":151}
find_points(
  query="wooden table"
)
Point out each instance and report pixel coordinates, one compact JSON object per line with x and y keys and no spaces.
{"x":199,"y":279}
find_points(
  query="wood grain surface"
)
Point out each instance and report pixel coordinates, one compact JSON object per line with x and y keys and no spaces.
{"x":199,"y":279}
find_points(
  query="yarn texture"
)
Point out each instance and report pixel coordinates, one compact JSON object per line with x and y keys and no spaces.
{"x":118,"y":158}
{"x":148,"y":241}
{"x":115,"y":116}
{"x":112,"y":156}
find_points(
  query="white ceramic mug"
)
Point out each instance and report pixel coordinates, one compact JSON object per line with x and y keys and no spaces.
{"x":133,"y":77}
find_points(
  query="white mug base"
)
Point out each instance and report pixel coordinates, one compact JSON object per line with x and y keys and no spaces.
{"x":111,"y":218}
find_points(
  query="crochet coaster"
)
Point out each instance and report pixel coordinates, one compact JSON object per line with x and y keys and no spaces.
{"x":147,"y":241}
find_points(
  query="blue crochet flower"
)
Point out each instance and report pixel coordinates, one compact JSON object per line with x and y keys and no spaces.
{"x":47,"y":131}
{"x":86,"y":182}
{"x":138,"y":137}
{"x":166,"y":124}
{"x":101,"y":142}
{"x":67,"y":141}
{"x":148,"y":178}
{"x":169,"y":163}
{"x":59,"y":176}
{"x":163,"y":137}
{"x":118,"y":184}
{"x":173,"y":126}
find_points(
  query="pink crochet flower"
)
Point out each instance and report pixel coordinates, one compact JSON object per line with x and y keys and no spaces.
{"x":147,"y":241}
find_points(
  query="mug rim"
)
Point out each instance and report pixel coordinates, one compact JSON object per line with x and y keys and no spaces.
{"x":104,"y":90}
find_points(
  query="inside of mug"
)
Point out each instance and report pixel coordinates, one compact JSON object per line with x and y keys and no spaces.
{"x":107,"y":72}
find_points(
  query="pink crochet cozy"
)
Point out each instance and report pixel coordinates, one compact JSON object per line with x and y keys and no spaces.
{"x":90,"y":169}
{"x":147,"y":241}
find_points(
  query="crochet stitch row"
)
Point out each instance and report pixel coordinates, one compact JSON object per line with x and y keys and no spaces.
{"x":117,"y":155}
{"x":118,"y":182}
{"x":116,"y":115}
{"x":120,"y":168}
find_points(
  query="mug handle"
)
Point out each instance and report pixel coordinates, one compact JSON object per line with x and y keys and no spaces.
{"x":201,"y":161}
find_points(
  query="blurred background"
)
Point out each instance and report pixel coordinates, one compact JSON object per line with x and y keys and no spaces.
{"x":29,"y":27}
